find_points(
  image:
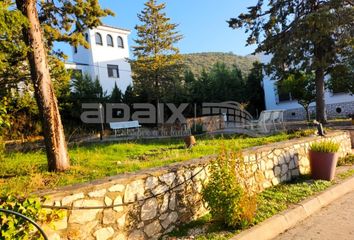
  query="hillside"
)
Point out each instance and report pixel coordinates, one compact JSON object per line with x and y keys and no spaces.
{"x":199,"y":61}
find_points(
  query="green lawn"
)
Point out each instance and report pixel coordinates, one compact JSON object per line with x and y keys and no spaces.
{"x":26,"y":172}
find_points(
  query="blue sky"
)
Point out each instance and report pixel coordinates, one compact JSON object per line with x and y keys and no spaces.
{"x":201,"y":22}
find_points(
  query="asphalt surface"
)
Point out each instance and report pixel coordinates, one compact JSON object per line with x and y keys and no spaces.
{"x":334,"y":222}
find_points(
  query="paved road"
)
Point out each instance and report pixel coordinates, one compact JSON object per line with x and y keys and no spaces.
{"x":334,"y":222}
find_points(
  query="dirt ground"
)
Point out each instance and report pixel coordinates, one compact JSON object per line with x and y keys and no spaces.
{"x":334,"y":222}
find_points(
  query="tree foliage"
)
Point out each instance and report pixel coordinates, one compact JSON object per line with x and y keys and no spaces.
{"x":45,"y":22}
{"x":254,"y":91}
{"x":157,"y":59}
{"x":116,"y":95}
{"x":311,"y":35}
{"x":302,"y":88}
{"x":196,"y":62}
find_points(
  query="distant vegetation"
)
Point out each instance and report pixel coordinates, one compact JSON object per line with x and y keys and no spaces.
{"x":199,"y":61}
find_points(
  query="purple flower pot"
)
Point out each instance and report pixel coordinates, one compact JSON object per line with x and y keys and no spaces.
{"x":323,"y":165}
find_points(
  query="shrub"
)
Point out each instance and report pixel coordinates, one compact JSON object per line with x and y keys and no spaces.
{"x":325,"y":147}
{"x":229,"y":201}
{"x":14,"y":227}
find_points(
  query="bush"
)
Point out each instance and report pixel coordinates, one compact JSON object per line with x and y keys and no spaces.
{"x":229,"y":199}
{"x":14,"y":227}
{"x":325,"y":147}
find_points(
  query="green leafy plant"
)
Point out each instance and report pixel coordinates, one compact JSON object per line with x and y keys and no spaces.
{"x":229,"y":199}
{"x":14,"y":227}
{"x":325,"y":147}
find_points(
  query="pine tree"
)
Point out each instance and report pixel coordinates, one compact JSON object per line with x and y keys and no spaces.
{"x":308,"y":35}
{"x":116,"y":95}
{"x":157,"y":59}
{"x":129,"y":95}
{"x":61,"y":20}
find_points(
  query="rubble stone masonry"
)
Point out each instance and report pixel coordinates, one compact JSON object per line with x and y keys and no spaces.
{"x":150,"y":203}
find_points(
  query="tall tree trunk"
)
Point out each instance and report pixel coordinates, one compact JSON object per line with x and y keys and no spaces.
{"x":57,"y":155}
{"x":321,"y":115}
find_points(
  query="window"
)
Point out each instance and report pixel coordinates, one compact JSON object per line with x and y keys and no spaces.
{"x":109,"y":40}
{"x":86,"y":37}
{"x":120,"y":42}
{"x":283,"y":95}
{"x":113,"y":71}
{"x":98,"y":39}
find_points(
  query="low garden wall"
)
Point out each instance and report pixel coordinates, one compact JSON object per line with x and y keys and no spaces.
{"x":150,"y":203}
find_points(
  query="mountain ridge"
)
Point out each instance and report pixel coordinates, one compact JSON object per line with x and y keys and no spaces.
{"x":196,"y":62}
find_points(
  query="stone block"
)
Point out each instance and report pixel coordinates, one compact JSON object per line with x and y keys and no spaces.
{"x":266,"y":185}
{"x":151,"y":183}
{"x":292,"y":165}
{"x":121,"y":221}
{"x":188,"y":175}
{"x":168,"y":178}
{"x":262,"y":165}
{"x":104,"y":233}
{"x":153,"y":228}
{"x":171,"y":219}
{"x":180,"y":177}
{"x":120,"y":236}
{"x":160,"y":189}
{"x":134,"y":190}
{"x":79,"y":232}
{"x":117,"y":188}
{"x":118,"y":201}
{"x":277,"y":171}
{"x":98,"y":193}
{"x":69,"y":199}
{"x":108,"y":216}
{"x":165,"y":202}
{"x":269,"y":174}
{"x":149,"y":209}
{"x":108,"y":201}
{"x":269,"y":164}
{"x":275,"y":181}
{"x":136,"y":235}
{"x":87,"y":215}
{"x":284,"y":169}
{"x":172,"y":204}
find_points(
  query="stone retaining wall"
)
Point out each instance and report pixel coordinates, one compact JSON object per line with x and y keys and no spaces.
{"x":150,"y":203}
{"x":335,"y":110}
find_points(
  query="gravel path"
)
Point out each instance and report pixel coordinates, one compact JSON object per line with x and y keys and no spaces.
{"x":334,"y":222}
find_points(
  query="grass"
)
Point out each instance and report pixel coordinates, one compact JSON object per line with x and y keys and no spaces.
{"x":27,"y":172}
{"x":347,"y":160}
{"x":270,"y":202}
{"x":346,"y":174}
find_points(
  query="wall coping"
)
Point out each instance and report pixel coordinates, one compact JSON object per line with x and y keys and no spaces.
{"x":126,"y":178}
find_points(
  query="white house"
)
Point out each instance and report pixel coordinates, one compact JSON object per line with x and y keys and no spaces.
{"x":337,"y":104}
{"x":106,"y":59}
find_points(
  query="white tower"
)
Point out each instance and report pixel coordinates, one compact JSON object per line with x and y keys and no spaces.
{"x":106,"y":58}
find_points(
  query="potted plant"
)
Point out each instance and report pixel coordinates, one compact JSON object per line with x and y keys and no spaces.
{"x":323,"y":159}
